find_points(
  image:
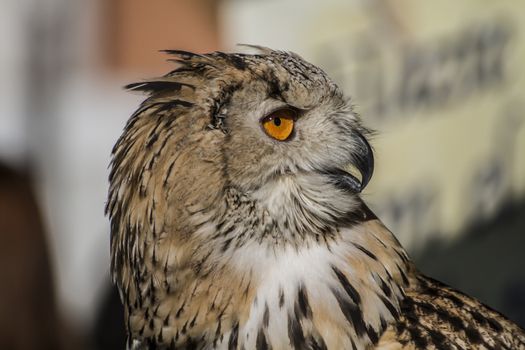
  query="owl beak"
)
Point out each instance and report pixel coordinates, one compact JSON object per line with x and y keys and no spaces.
{"x":363,"y":162}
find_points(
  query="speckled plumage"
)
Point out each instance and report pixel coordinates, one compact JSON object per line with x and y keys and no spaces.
{"x":223,"y":238}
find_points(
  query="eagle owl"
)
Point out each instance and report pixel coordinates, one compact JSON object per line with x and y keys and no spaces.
{"x":236,"y":221}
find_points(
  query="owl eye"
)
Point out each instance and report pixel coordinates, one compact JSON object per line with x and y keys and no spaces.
{"x":279,"y":124}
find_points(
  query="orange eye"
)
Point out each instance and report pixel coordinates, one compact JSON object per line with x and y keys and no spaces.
{"x":279,"y":124}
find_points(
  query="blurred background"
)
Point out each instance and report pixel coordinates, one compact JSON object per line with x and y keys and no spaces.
{"x":443,"y":83}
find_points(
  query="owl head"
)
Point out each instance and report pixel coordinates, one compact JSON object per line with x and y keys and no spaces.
{"x":265,"y":139}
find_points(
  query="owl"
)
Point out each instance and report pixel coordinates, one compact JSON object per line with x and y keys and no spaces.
{"x":236,"y":221}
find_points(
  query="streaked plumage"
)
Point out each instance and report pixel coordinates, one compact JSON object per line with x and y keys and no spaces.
{"x":224,"y":238}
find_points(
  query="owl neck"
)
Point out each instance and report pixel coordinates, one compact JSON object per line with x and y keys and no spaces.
{"x":237,"y":284}
{"x":338,"y":293}
{"x":300,"y":279}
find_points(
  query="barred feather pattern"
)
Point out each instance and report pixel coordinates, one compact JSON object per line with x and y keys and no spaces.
{"x":224,"y":239}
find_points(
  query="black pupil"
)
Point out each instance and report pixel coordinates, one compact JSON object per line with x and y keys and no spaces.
{"x":277,"y":121}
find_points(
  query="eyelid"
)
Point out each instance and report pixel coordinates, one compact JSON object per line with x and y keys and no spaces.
{"x":269,"y":116}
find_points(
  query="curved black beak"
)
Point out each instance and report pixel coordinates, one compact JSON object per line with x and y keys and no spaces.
{"x":363,"y":161}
